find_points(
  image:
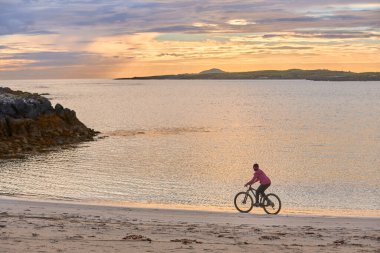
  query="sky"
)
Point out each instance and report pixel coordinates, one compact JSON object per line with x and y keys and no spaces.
{"x":42,"y":39}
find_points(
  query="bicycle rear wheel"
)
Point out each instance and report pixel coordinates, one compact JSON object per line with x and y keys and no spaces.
{"x":243,"y":202}
{"x":273,"y":206}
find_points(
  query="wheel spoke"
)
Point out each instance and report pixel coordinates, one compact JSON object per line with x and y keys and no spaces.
{"x":243,"y":202}
{"x":272,"y":204}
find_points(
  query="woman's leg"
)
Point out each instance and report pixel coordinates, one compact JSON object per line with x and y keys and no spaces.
{"x":260,"y":190}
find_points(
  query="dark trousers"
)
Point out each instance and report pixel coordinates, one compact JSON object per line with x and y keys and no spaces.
{"x":260,"y":190}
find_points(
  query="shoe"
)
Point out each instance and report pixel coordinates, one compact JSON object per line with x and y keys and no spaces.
{"x":256,"y":204}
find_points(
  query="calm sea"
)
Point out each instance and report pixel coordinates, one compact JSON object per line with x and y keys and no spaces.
{"x":192,"y":143}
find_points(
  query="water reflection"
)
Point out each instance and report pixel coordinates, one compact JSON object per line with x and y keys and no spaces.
{"x":194,"y":142}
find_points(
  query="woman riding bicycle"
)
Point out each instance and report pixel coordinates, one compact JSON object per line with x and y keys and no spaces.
{"x":264,"y":180}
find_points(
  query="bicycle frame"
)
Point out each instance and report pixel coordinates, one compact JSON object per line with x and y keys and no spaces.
{"x":244,"y":201}
{"x":253,"y":191}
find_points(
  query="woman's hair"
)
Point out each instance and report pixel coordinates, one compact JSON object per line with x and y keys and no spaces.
{"x":255,"y":165}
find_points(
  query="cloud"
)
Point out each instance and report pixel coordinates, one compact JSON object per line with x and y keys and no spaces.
{"x":54,"y":58}
{"x":170,"y":54}
{"x":64,"y":33}
{"x":13,"y":19}
{"x":292,"y":19}
{"x":290,"y":47}
{"x":176,"y":28}
{"x":43,"y":61}
{"x":239,"y":22}
{"x":326,"y":34}
{"x":117,"y":16}
{"x":200,"y":24}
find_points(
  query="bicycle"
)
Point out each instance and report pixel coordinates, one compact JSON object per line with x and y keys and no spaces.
{"x":244,"y":203}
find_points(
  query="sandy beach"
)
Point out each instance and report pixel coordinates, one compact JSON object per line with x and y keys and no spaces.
{"x":37,"y":226}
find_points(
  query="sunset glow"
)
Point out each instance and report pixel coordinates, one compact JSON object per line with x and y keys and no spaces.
{"x":107,"y":39}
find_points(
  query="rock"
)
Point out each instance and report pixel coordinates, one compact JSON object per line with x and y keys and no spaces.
{"x":3,"y":127}
{"x":28,"y":122}
{"x":19,"y":127}
{"x":4,"y":148}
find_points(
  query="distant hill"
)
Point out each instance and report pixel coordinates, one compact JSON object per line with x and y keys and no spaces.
{"x":315,"y":75}
{"x":212,"y":71}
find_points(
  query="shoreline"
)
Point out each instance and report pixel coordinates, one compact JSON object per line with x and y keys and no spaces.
{"x":296,"y":212}
{"x":46,"y":226}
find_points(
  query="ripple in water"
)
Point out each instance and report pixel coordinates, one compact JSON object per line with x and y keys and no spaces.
{"x":197,"y":140}
{"x":158,"y":131}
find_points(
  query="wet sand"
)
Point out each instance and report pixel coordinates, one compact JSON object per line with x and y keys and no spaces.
{"x":36,"y":226}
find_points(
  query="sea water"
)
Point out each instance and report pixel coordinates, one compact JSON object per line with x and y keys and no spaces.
{"x":193,"y":143}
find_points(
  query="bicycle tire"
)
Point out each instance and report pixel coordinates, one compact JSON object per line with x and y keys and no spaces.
{"x":272,"y":210}
{"x":239,"y":204}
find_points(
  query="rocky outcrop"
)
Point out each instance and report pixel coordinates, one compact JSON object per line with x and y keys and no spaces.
{"x":29,"y":123}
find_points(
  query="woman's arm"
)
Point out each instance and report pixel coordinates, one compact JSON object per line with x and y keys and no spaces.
{"x":252,"y":181}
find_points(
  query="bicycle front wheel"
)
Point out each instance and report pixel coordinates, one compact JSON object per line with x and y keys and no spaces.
{"x":243,"y":202}
{"x":272,"y":205}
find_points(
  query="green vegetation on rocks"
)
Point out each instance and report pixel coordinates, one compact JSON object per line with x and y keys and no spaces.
{"x":315,"y":75}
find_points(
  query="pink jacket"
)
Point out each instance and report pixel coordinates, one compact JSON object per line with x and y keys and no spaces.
{"x":261,"y":177}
